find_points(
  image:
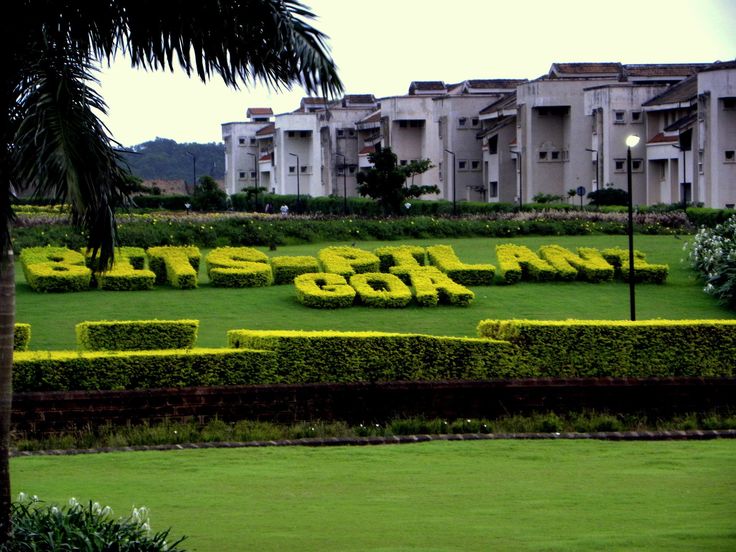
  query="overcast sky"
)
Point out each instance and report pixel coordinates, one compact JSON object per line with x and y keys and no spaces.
{"x":382,"y":45}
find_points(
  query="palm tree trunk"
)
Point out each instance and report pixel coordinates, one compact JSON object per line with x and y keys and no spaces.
{"x":7,"y":329}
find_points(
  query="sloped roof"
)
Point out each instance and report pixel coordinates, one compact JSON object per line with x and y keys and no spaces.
{"x":663,"y":69}
{"x":367,"y":150}
{"x":374,"y":117}
{"x":683,"y":91}
{"x":683,"y":123}
{"x":509,"y":84}
{"x":259,"y":112}
{"x":427,"y":87}
{"x":585,"y":70}
{"x":718,"y":65}
{"x":362,"y":99}
{"x":661,"y":138}
{"x":266,"y":130}
{"x":507,"y":102}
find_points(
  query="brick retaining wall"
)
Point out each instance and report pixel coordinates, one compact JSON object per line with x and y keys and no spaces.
{"x":45,"y":412}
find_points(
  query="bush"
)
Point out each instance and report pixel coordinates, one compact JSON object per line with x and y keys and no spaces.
{"x":39,"y":526}
{"x":376,"y":289}
{"x":167,"y":202}
{"x":208,"y":196}
{"x":518,"y":262}
{"x":712,"y":254}
{"x":323,"y":290}
{"x":405,"y":256}
{"x":126,"y":274}
{"x":594,"y":348}
{"x":286,"y":268}
{"x":643,"y":271}
{"x":21,"y":337}
{"x":432,"y":287}
{"x":55,"y":269}
{"x":445,"y":259}
{"x":347,"y":261}
{"x":608,"y":196}
{"x":176,"y":265}
{"x":326,"y":356}
{"x":239,"y":267}
{"x":588,"y":264}
{"x":137,"y":335}
{"x":705,"y":216}
{"x":72,"y":370}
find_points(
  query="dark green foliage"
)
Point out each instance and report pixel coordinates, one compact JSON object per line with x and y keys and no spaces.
{"x":386,"y":181}
{"x":609,"y":196}
{"x":208,"y":196}
{"x":704,"y":216}
{"x":92,"y":528}
{"x":323,"y":356}
{"x":166,"y":202}
{"x":68,"y":371}
{"x":136,"y":335}
{"x":165,"y":159}
{"x":583,"y":348}
{"x":21,"y":337}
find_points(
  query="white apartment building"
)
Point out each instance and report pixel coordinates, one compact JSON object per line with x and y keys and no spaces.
{"x":501,"y":140}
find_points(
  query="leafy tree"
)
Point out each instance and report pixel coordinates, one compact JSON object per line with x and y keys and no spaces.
{"x":208,"y":196}
{"x":166,"y":159}
{"x":386,"y":180}
{"x":52,"y":141}
{"x":609,"y":196}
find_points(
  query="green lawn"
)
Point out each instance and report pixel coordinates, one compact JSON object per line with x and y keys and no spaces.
{"x":53,"y":316}
{"x":440,"y":496}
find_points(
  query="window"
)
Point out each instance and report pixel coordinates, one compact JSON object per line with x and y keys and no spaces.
{"x":340,"y":170}
{"x":403,"y":124}
{"x":555,"y":155}
{"x":439,"y":170}
{"x":351,"y":132}
{"x":462,"y":165}
{"x":475,"y":165}
{"x":700,"y":161}
{"x":729,"y":103}
{"x":304,"y":133}
{"x":475,"y":122}
{"x":493,"y":145}
{"x":619,"y":117}
{"x":403,"y":162}
{"x":462,"y":122}
{"x":636,"y":117}
{"x":620,"y":165}
{"x":305,"y":169}
{"x":352,"y":169}
{"x":252,"y":174}
{"x":637,"y":165}
{"x":542,"y":155}
{"x":340,"y":133}
{"x":241,"y":141}
{"x":292,"y":169}
{"x":241,"y":174}
{"x":291,"y":134}
{"x":493,"y":189}
{"x":730,"y":156}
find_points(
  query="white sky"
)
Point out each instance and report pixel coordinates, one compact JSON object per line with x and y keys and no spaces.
{"x":380,"y":46}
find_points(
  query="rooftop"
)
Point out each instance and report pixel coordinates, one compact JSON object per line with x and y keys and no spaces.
{"x":683,"y":91}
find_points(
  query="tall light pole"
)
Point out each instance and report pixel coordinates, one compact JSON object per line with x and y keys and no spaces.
{"x":631,"y":141}
{"x":596,"y":167}
{"x":298,"y":203}
{"x":344,"y":184}
{"x":194,"y":169}
{"x":256,"y":167}
{"x":454,"y":204}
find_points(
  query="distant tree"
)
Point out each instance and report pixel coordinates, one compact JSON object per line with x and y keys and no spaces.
{"x":385,"y":181}
{"x":165,"y":159}
{"x":609,"y":196}
{"x":208,"y":196}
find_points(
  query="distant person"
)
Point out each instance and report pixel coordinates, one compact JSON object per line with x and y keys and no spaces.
{"x":284,"y":211}
{"x":269,"y":208}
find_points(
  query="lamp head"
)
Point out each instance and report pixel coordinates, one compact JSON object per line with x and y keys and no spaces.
{"x":632,"y":140}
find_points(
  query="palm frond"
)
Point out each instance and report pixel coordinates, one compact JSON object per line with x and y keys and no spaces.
{"x":62,"y":150}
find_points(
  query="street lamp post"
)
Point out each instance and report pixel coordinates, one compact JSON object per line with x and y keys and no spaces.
{"x":194,"y":169}
{"x":298,"y":202}
{"x":256,"y":167}
{"x":344,"y":184}
{"x":597,"y":171}
{"x":454,"y":203}
{"x":631,"y":141}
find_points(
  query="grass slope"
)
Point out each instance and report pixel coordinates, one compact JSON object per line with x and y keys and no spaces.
{"x":53,"y":316}
{"x":498,"y":495}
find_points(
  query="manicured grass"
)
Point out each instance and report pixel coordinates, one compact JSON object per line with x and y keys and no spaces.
{"x":440,"y":496}
{"x":53,"y":316}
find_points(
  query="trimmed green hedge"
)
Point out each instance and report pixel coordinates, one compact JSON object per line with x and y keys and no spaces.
{"x":327,"y":356}
{"x":136,"y":335}
{"x":70,"y":370}
{"x":444,"y":258}
{"x":585,"y":348}
{"x":643,"y":271}
{"x":323,"y":290}
{"x":376,"y":289}
{"x":518,"y":262}
{"x":285,"y":268}
{"x":176,"y":265}
{"x":588,"y":264}
{"x":238,"y":267}
{"x":432,"y":287}
{"x":21,"y":337}
{"x":55,"y":269}
{"x":347,"y":261}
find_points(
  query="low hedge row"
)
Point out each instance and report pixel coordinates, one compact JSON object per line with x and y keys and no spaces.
{"x":176,"y":265}
{"x":69,"y":370}
{"x":445,"y":259}
{"x":588,"y":264}
{"x":326,"y":356}
{"x":583,"y":348}
{"x":643,"y":271}
{"x":238,"y":267}
{"x":21,"y":337}
{"x":136,"y":335}
{"x":285,"y":268}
